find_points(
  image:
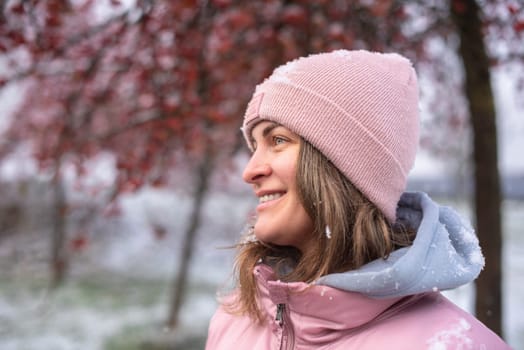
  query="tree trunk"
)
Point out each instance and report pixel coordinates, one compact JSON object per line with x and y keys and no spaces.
{"x":202,"y":178}
{"x":59,"y":259}
{"x":487,"y":183}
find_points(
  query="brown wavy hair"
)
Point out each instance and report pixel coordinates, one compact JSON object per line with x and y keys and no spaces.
{"x":360,"y":233}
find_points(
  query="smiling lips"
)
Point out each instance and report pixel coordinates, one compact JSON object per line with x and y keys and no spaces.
{"x":270,"y":197}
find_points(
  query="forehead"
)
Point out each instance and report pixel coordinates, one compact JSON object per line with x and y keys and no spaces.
{"x":263,"y":128}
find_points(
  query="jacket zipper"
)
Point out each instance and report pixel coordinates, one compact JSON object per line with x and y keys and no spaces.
{"x":287,"y":341}
{"x":280,"y":317}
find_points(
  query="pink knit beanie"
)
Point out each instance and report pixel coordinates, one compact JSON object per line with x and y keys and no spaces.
{"x":359,"y":108}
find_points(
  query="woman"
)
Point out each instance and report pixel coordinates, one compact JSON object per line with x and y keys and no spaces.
{"x":339,"y":257}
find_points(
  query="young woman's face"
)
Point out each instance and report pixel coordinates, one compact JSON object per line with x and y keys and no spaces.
{"x":281,"y":218}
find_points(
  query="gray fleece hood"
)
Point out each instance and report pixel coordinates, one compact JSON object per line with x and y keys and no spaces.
{"x":445,"y":254}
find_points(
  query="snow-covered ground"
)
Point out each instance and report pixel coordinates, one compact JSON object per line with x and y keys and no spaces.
{"x":117,"y":295}
{"x":118,"y":292}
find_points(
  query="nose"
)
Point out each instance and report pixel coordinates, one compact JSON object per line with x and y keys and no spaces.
{"x":256,"y":169}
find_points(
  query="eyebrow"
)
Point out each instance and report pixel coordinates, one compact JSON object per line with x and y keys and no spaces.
{"x":269,"y":128}
{"x":265,"y":132}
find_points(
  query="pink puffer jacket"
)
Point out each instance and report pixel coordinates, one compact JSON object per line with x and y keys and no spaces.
{"x":302,"y":316}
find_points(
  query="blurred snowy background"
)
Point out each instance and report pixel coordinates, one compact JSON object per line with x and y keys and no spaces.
{"x":122,"y":259}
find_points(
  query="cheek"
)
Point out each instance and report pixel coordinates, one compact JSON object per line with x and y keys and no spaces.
{"x":287,"y":170}
{"x":300,"y":230}
{"x":304,"y":222}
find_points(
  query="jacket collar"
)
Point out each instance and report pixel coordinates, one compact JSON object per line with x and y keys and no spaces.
{"x":444,"y":255}
{"x":319,"y":313}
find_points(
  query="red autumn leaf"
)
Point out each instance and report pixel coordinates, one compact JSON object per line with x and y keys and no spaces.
{"x":160,"y":134}
{"x":132,"y":184}
{"x":217,"y":116}
{"x":18,"y":8}
{"x":240,"y":19}
{"x":159,"y":181}
{"x":53,"y":20}
{"x":380,"y":8}
{"x":188,"y":3}
{"x":159,"y":232}
{"x":294,"y":15}
{"x":518,"y":26}
{"x":16,"y":37}
{"x":221,"y":3}
{"x":513,"y":9}
{"x":173,"y":124}
{"x":145,"y":166}
{"x":267,"y":33}
{"x":79,"y":243}
{"x":459,"y":6}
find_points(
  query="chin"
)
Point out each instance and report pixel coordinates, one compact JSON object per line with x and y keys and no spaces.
{"x":268,"y":237}
{"x":274,"y":241}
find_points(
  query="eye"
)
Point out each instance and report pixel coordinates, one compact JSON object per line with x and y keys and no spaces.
{"x":278,"y":140}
